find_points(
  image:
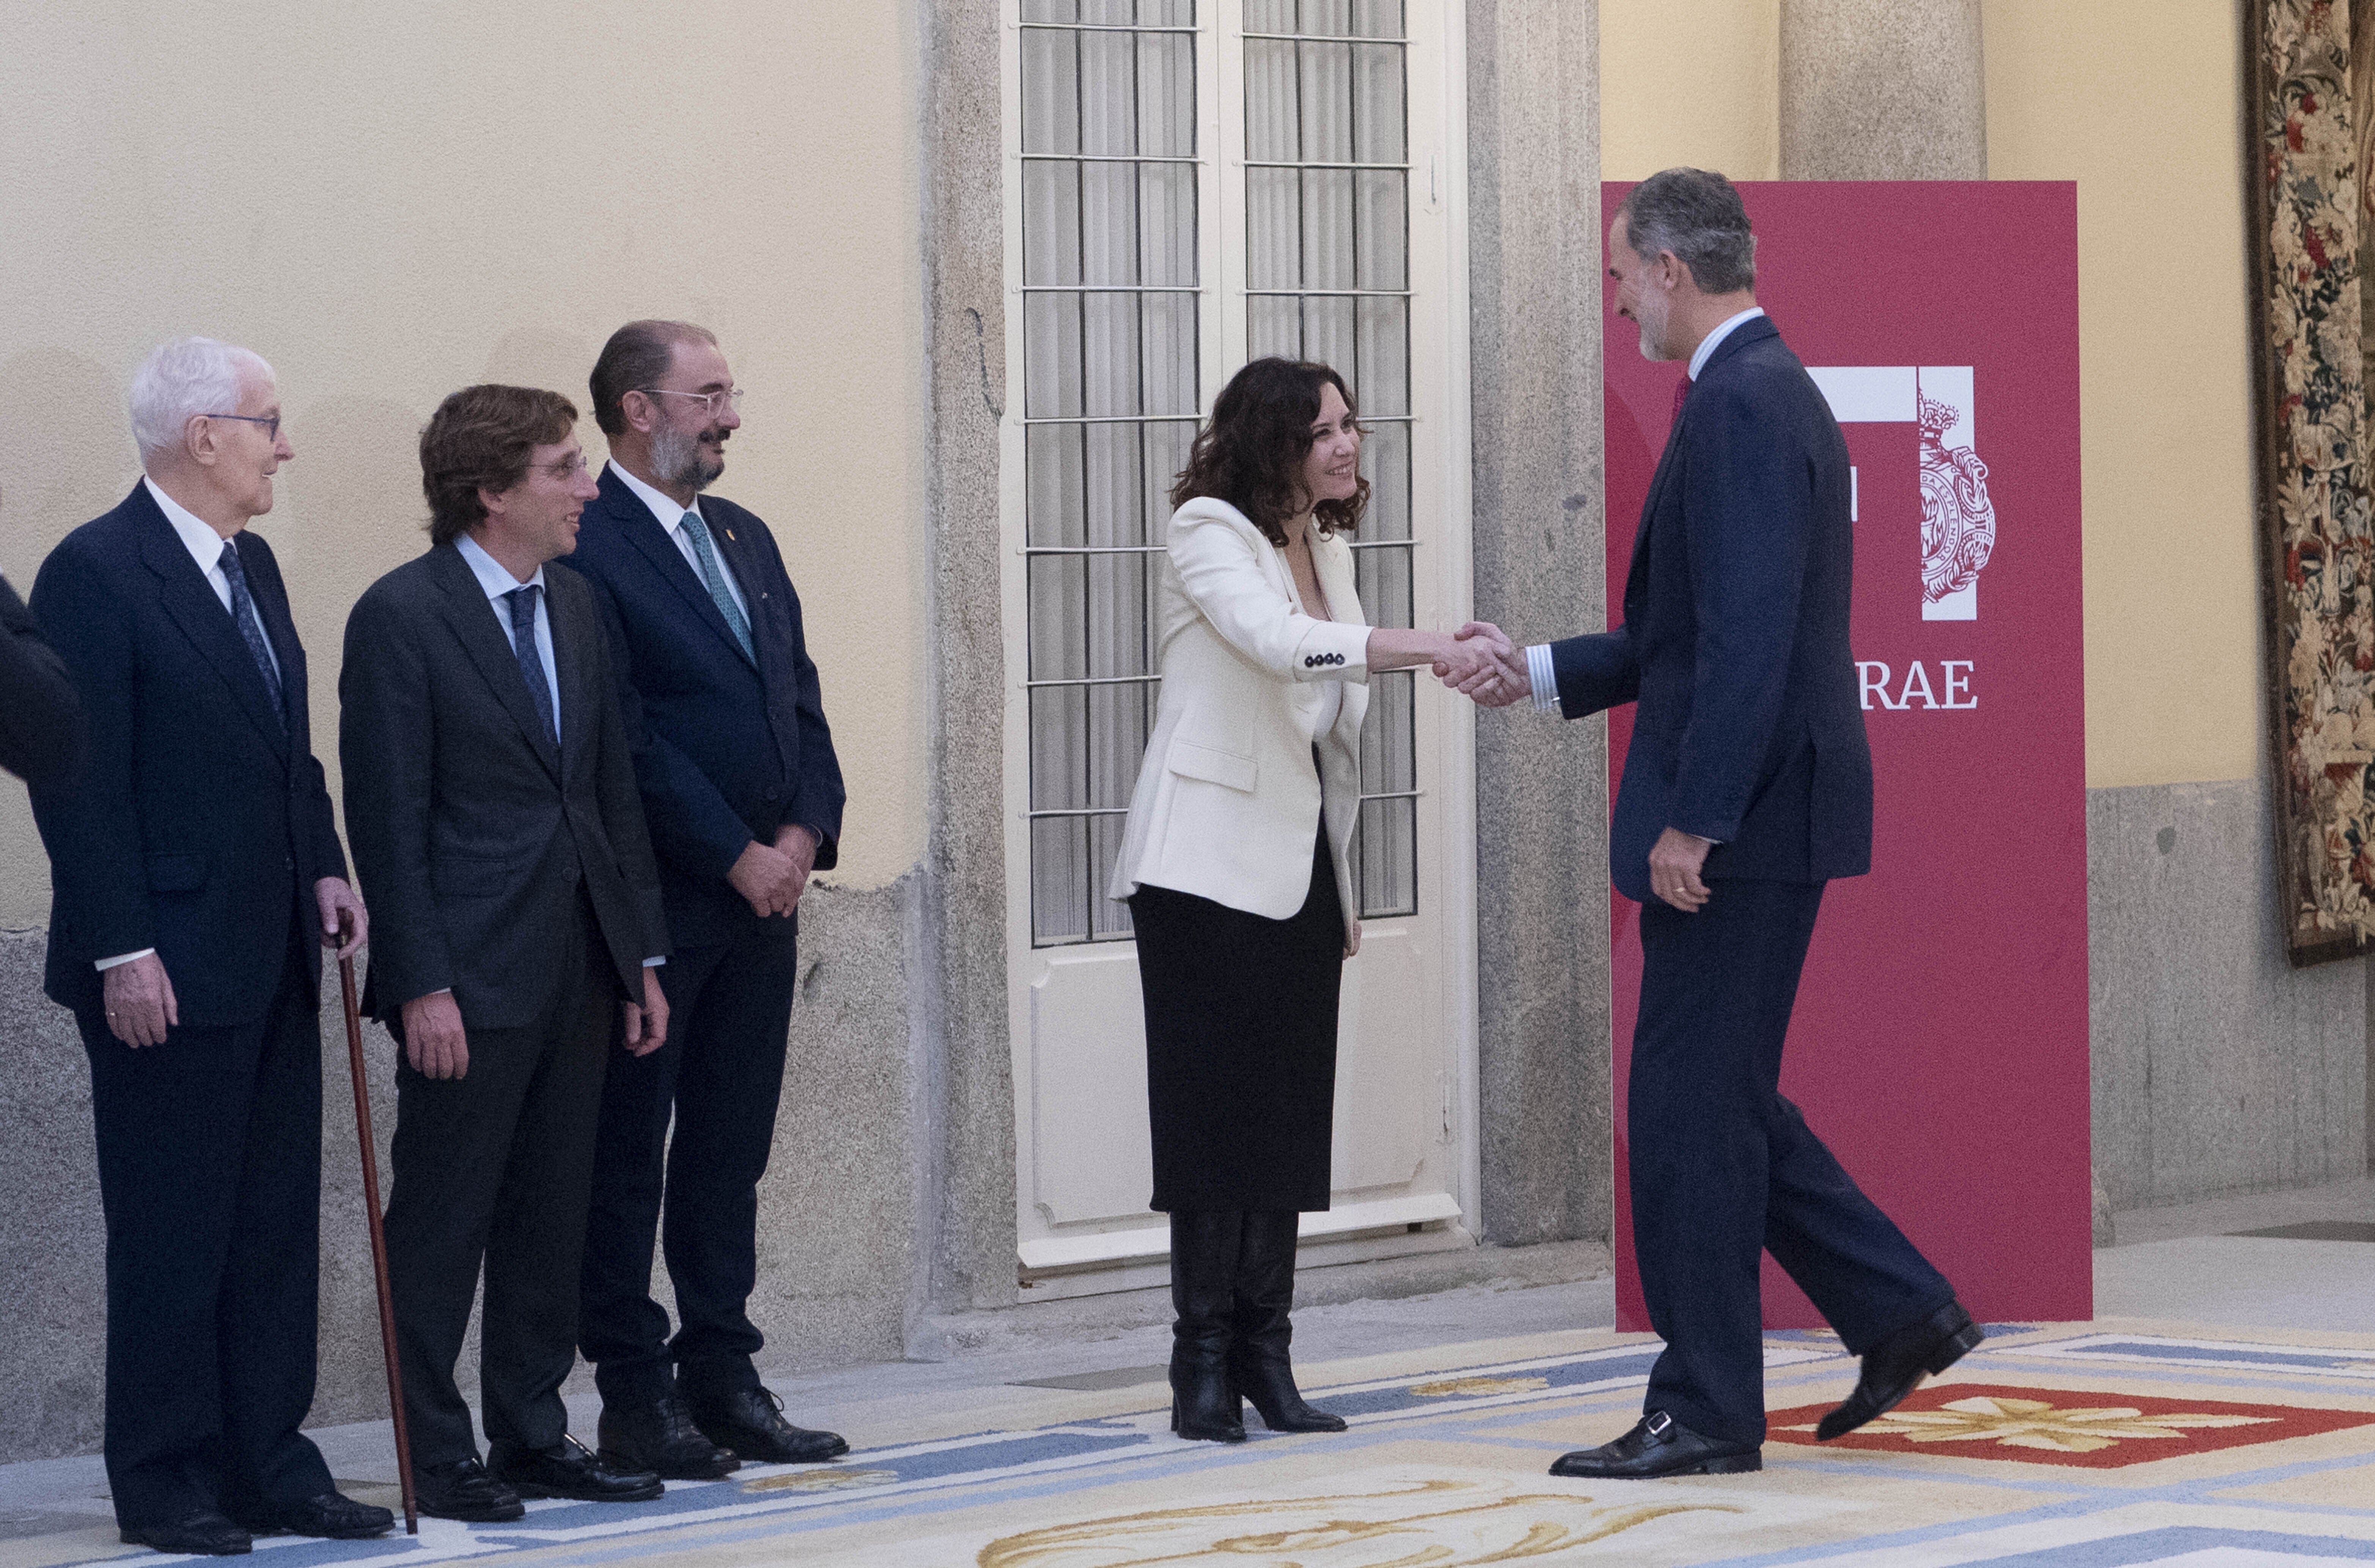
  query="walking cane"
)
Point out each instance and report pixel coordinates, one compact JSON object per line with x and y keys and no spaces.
{"x":378,"y":1242}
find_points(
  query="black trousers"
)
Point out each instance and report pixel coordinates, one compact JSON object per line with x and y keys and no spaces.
{"x":1241,"y":1045}
{"x":210,"y":1172}
{"x":1722,"y":1167}
{"x":494,"y":1167}
{"x":720,"y":1076}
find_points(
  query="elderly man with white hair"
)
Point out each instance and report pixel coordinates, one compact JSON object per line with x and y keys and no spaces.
{"x":196,"y":878}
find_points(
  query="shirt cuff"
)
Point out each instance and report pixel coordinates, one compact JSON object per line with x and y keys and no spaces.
{"x":1542,"y":675}
{"x":104,"y":965}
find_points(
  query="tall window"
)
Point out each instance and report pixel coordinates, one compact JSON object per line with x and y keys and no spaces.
{"x":1119,"y":359}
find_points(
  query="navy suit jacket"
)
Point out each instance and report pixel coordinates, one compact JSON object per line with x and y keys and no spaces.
{"x":1734,"y":640}
{"x":727,"y":748}
{"x":200,"y":820}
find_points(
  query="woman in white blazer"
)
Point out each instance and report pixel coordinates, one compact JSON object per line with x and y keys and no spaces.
{"x":1232,"y":860}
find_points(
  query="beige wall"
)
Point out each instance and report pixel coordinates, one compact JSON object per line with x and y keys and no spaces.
{"x":389,"y":203}
{"x":2137,"y":101}
{"x":1692,"y":82}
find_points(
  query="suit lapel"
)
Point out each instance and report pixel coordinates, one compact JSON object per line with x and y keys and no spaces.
{"x":1332,"y":564}
{"x":190,"y":601}
{"x":627,"y":509}
{"x":572,"y":673}
{"x":472,"y":616}
{"x":739,"y":555}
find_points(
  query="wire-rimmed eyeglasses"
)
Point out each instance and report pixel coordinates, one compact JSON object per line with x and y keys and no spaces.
{"x":709,"y":401}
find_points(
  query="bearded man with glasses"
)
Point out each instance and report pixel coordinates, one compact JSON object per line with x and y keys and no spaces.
{"x":744,"y":799}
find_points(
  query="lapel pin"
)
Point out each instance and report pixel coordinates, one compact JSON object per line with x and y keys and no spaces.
{"x":729,"y":534}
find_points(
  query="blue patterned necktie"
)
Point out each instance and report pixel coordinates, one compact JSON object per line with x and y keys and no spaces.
{"x":523,"y":603}
{"x":251,"y":628}
{"x":713,"y":576}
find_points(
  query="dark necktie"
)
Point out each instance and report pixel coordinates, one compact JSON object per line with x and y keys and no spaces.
{"x":251,"y":628}
{"x":712,"y":577}
{"x":523,"y":603}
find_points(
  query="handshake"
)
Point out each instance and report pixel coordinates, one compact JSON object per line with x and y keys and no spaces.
{"x":1479,"y":662}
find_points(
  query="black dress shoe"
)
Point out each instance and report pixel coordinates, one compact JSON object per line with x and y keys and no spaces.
{"x":1658,"y":1445}
{"x":751,"y":1422}
{"x":660,"y":1437}
{"x":329,"y":1516}
{"x":1897,"y":1366}
{"x":463,"y":1491}
{"x":570,"y":1469}
{"x":202,"y":1533}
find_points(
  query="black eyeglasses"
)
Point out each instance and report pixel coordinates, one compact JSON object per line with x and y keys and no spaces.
{"x":271,"y":422}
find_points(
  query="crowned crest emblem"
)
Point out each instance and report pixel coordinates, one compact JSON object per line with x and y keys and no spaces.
{"x":1959,"y":521}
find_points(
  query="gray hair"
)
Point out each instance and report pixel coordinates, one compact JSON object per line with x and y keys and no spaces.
{"x":183,"y":377}
{"x":1696,"y":214}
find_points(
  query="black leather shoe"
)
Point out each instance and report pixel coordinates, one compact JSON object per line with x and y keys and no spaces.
{"x":203,"y":1533}
{"x":751,"y":1422}
{"x":660,"y":1437}
{"x":329,"y":1516}
{"x":1897,"y":1366}
{"x":570,"y":1469}
{"x":463,"y":1491}
{"x":1658,"y":1445}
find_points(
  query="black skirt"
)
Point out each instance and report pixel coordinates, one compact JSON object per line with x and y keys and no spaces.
{"x":1241,"y":1045}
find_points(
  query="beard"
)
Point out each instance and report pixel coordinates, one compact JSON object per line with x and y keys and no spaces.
{"x":677,"y":459}
{"x":1651,"y":315}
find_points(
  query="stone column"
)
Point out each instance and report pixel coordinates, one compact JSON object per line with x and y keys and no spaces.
{"x":1541,"y":831}
{"x":1883,"y":90}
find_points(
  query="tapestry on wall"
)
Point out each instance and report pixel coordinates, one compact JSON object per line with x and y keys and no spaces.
{"x":2320,"y":598}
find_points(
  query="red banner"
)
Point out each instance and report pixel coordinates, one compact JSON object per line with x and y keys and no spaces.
{"x":1940,"y":1041}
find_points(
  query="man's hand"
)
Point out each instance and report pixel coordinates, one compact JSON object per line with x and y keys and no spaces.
{"x":647,"y":1025}
{"x":138,"y":997}
{"x":346,"y":926}
{"x":1675,"y":862}
{"x":767,"y":879}
{"x":1472,"y":667}
{"x":801,"y":845}
{"x":433,"y":1041}
{"x":1506,"y":679}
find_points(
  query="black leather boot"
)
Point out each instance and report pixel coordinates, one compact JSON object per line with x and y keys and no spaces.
{"x":1204,"y":1245}
{"x":1258,"y":1364}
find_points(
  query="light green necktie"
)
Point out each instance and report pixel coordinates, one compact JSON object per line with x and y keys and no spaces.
{"x":713,"y":576}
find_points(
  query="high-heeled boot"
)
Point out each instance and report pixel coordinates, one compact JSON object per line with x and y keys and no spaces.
{"x":1258,"y":1363}
{"x":1204,"y":1249}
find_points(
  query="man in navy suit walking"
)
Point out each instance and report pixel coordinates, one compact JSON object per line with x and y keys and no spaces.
{"x":196,"y":874}
{"x":744,"y":799}
{"x":1747,"y":786}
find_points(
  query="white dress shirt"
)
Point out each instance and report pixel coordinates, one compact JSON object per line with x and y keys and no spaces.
{"x":497,"y":580}
{"x":1540,"y":673}
{"x":206,"y":547}
{"x":671,"y":519}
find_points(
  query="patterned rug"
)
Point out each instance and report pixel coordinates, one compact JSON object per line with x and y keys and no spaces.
{"x":2114,"y":1442}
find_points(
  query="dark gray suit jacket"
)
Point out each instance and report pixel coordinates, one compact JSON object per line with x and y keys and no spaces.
{"x":471,"y":833}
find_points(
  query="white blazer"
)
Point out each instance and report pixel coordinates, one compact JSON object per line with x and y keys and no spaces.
{"x":1226,"y":806}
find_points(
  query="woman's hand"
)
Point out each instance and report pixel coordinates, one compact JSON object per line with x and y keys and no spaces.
{"x":1352,"y":939}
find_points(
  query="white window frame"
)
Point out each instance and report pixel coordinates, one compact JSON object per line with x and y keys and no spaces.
{"x":1441,"y":512}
